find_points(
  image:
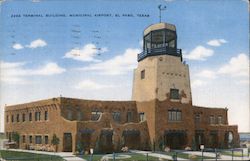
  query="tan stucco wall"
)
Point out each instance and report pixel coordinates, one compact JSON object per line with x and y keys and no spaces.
{"x":161,"y":73}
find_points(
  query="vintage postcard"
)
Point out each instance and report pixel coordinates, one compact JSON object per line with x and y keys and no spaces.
{"x":124,"y":80}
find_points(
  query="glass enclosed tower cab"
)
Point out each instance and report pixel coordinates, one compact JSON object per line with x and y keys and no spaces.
{"x":160,"y":39}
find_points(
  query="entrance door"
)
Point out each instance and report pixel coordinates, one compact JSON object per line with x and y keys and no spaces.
{"x":67,"y":142}
{"x":175,"y":140}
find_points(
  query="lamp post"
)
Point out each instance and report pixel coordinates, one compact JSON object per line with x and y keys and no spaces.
{"x":202,"y":150}
{"x":91,"y":152}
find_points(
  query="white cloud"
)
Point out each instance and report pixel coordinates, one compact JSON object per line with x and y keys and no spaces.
{"x":86,"y":53}
{"x":237,"y":66}
{"x":49,"y":69}
{"x":199,"y":53}
{"x":207,"y":74}
{"x":14,"y":72}
{"x":17,"y":46}
{"x":6,"y":65}
{"x":216,"y":42}
{"x":118,"y":65}
{"x":91,"y":85}
{"x":37,"y":43}
{"x":197,"y":83}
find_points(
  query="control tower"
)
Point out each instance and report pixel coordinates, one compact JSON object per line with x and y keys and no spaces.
{"x":161,"y":73}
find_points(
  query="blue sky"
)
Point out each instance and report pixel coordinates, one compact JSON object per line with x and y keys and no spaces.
{"x":94,"y":57}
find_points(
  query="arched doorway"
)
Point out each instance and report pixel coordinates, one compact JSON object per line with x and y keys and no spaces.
{"x":199,"y":138}
{"x":175,"y":139}
{"x":228,"y":139}
{"x":106,"y":141}
{"x":213,"y":139}
{"x":131,"y":139}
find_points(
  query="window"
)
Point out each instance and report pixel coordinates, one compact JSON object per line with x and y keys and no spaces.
{"x":116,"y":116}
{"x":142,"y":74}
{"x":174,"y":115}
{"x":158,"y":39}
{"x":147,"y":41}
{"x":46,"y":139}
{"x":23,"y":118}
{"x":30,"y":139}
{"x":142,"y":116}
{"x":7,"y":118}
{"x":211,"y":120}
{"x":172,"y":44}
{"x":174,"y":94}
{"x":17,"y":118}
{"x":197,"y":118}
{"x":38,"y":139}
{"x":220,"y":120}
{"x":12,"y":118}
{"x":95,"y":115}
{"x":37,"y":116}
{"x":129,"y":116}
{"x":24,"y":139}
{"x":178,"y":115}
{"x":30,"y":116}
{"x":46,"y":115}
{"x":79,"y":116}
{"x":69,"y":115}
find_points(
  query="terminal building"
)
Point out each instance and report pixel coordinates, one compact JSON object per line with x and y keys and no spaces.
{"x":160,"y":114}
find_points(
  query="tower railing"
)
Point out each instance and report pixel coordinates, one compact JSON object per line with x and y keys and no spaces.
{"x":159,"y":51}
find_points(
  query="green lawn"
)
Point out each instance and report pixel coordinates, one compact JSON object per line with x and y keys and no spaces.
{"x":12,"y":155}
{"x":134,"y":157}
{"x":236,"y":153}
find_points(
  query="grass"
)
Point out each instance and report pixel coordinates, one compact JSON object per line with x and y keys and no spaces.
{"x":13,"y":155}
{"x":2,"y":136}
{"x":134,"y":157}
{"x":229,"y":153}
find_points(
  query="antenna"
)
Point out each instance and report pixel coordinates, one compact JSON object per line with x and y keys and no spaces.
{"x":161,"y":8}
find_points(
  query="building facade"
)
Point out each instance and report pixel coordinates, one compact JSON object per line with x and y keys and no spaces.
{"x":160,"y":114}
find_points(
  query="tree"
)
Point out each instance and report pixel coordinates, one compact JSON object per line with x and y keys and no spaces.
{"x":194,"y":145}
{"x":16,"y":138}
{"x":80,"y":147}
{"x":55,"y":141}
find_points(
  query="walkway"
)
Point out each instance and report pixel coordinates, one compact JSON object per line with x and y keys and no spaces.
{"x":163,"y":156}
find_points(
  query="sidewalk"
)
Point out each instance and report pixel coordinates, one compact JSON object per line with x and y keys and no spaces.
{"x":65,"y":155}
{"x":155,"y":154}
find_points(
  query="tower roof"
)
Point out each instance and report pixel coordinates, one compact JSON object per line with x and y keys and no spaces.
{"x":159,"y":26}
